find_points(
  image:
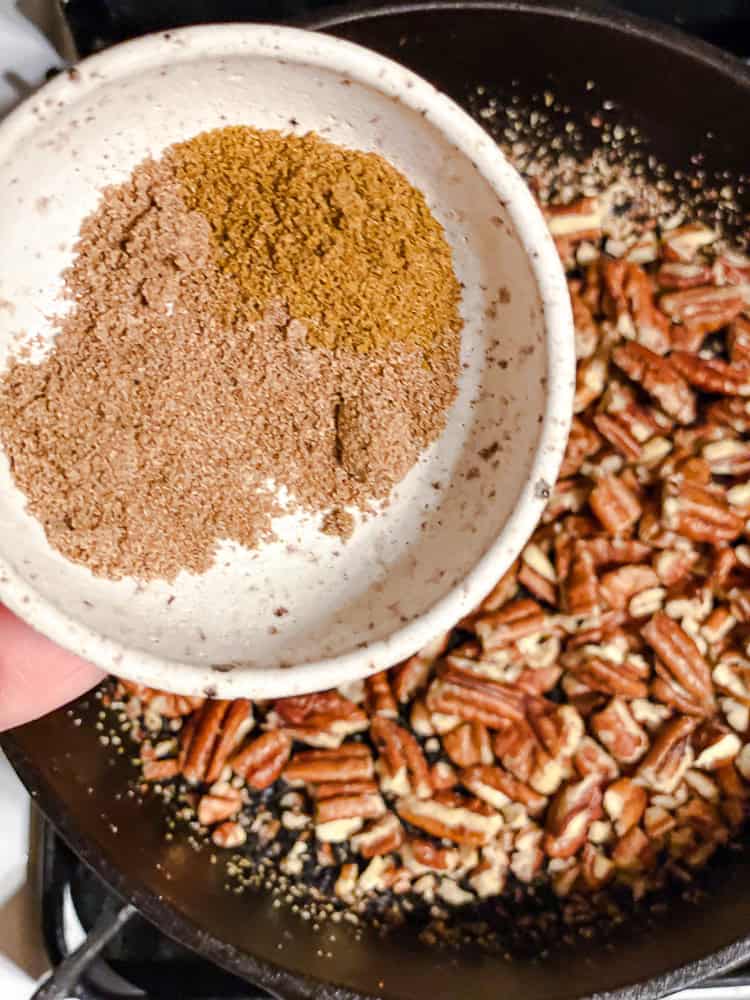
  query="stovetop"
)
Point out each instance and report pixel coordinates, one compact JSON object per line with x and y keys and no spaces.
{"x":138,"y":961}
{"x":97,"y":23}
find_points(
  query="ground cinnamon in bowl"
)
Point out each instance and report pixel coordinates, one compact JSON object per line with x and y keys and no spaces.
{"x":252,"y":311}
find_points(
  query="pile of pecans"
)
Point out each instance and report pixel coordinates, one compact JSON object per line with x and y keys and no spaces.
{"x":589,"y":725}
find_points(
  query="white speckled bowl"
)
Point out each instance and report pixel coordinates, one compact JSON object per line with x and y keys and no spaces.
{"x":307,"y":612}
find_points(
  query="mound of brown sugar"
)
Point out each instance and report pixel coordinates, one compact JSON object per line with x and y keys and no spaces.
{"x":156,"y":428}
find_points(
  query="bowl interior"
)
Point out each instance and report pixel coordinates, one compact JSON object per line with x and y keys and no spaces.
{"x":89,"y":129}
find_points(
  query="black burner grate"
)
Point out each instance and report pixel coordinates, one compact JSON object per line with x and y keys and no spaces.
{"x":139,"y":962}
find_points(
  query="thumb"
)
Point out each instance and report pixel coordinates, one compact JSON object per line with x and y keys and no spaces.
{"x":36,"y":676}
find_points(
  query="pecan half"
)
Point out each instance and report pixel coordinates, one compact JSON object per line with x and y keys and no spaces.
{"x":367,"y":805}
{"x":699,"y":512}
{"x":659,"y":378}
{"x":570,"y":814}
{"x":261,"y":762}
{"x":452,"y":816}
{"x":680,"y":661}
{"x":237,"y":723}
{"x":475,"y":699}
{"x":404,"y":761}
{"x":708,"y":308}
{"x":616,"y":506}
{"x":205,"y":736}
{"x":498,"y":788}
{"x":713,"y":374}
{"x":350,"y":762}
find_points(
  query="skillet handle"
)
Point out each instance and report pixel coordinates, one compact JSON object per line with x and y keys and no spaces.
{"x":62,"y":982}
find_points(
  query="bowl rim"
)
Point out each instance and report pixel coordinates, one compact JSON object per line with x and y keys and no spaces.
{"x":389,"y":77}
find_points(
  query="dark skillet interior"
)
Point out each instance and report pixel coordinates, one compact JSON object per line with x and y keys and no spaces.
{"x":676,"y":92}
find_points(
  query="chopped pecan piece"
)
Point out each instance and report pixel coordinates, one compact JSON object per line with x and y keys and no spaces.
{"x":560,"y":728}
{"x":617,"y":729}
{"x":675,"y":276}
{"x":424,"y":855}
{"x":607,"y":676}
{"x":738,"y":340}
{"x":571,"y":812}
{"x":521,"y":753}
{"x":322,"y":719}
{"x":618,"y":436}
{"x":616,"y":506}
{"x":405,"y":764}
{"x":229,"y":835}
{"x":596,"y":867}
{"x":659,"y":378}
{"x":222,"y":802}
{"x":621,"y":584}
{"x":629,"y":849}
{"x":443,"y":775}
{"x":583,"y":442}
{"x":350,"y":762}
{"x":332,"y":789}
{"x":715,"y":747}
{"x":413,"y":675}
{"x":468,"y":744}
{"x":591,"y":758}
{"x":580,"y":220}
{"x":379,"y":837}
{"x":452,"y":816}
{"x":580,"y":593}
{"x":684,"y":242}
{"x":625,"y":803}
{"x":510,"y":623}
{"x":591,"y":381}
{"x":664,"y":766}
{"x":498,"y":788}
{"x":379,"y":699}
{"x":727,"y":457}
{"x":261,"y":762}
{"x":651,"y":325}
{"x":160,"y":770}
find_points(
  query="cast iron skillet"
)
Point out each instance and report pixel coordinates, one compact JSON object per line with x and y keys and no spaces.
{"x":676,"y":90}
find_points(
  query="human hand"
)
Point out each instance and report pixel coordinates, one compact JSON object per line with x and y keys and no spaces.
{"x":36,"y":676}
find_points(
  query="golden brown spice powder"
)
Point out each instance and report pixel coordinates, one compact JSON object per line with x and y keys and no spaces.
{"x":340,"y":236}
{"x":249,"y":310}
